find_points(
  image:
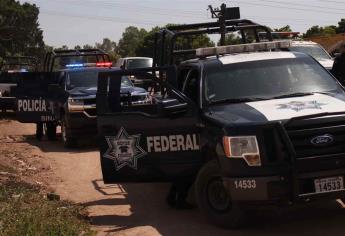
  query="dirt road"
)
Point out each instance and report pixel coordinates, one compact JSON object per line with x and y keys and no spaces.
{"x":139,"y":209}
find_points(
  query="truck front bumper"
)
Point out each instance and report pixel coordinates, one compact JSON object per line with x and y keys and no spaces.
{"x":292,"y":188}
{"x":80,"y":125}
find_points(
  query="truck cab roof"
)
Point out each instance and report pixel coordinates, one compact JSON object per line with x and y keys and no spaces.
{"x":246,"y":57}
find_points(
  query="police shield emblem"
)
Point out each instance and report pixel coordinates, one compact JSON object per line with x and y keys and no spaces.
{"x":124,"y":149}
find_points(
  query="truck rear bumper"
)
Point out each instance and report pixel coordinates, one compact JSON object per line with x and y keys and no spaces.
{"x":283,"y":188}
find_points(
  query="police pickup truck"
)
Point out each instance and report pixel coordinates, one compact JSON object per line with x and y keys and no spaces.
{"x":246,"y":124}
{"x":78,"y":113}
{"x":65,"y":94}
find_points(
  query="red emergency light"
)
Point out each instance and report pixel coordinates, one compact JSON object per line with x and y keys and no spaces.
{"x":104,"y":64}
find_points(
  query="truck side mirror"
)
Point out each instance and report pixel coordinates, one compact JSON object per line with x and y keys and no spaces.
{"x":173,"y":107}
{"x":337,"y":54}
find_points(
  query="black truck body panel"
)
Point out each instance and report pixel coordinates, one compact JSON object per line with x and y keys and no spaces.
{"x":143,"y":133}
{"x":38,"y":95}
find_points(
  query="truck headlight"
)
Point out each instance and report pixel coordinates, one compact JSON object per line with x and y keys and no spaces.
{"x":245,"y":147}
{"x":75,"y":105}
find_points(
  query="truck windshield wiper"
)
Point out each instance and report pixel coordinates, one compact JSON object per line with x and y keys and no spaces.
{"x":291,"y":95}
{"x":237,"y":100}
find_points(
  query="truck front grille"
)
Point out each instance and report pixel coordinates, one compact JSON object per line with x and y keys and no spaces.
{"x":302,"y":136}
{"x":90,"y":101}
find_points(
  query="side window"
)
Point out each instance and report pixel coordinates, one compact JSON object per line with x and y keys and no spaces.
{"x":190,"y":86}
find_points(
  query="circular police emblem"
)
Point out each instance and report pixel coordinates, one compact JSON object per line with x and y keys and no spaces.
{"x":301,"y":105}
{"x":124,"y":149}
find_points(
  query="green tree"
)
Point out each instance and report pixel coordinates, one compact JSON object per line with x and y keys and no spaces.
{"x":20,"y":33}
{"x":146,"y":48}
{"x":286,"y":28}
{"x":131,"y":39}
{"x":330,"y":30}
{"x":231,"y":39}
{"x":313,"y":31}
{"x":110,"y":47}
{"x":341,"y":26}
{"x":320,"y":31}
{"x":88,"y":46}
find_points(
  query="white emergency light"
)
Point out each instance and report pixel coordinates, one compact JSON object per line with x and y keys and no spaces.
{"x":241,"y":48}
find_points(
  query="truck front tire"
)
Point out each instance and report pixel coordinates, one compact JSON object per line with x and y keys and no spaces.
{"x":68,"y":141}
{"x":39,"y":131}
{"x":213,"y":200}
{"x":51,"y":131}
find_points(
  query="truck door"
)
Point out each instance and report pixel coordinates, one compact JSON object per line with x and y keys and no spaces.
{"x":38,"y":95}
{"x":152,"y":140}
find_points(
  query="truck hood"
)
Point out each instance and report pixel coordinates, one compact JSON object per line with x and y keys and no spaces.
{"x":277,"y":109}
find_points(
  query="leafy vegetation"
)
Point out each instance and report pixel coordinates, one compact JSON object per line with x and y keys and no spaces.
{"x":326,"y":30}
{"x":24,"y":211}
{"x":19,"y":29}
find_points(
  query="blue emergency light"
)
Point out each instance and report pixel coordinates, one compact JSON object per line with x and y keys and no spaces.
{"x":74,"y":65}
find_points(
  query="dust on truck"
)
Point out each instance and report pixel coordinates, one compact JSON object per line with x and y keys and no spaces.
{"x":249,"y":124}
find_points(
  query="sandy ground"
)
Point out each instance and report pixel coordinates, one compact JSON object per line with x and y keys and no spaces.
{"x":139,"y":209}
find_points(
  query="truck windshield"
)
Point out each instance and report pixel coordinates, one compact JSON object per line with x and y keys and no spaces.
{"x":89,"y":79}
{"x":139,"y":63}
{"x":266,"y":79}
{"x":82,"y":79}
{"x":312,"y":50}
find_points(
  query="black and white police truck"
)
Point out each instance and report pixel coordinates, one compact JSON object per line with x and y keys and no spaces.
{"x":11,"y":69}
{"x":67,"y":97}
{"x":249,"y":124}
{"x":41,"y":96}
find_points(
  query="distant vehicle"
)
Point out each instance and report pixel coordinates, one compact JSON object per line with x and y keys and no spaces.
{"x":129,"y":63}
{"x":315,"y":50}
{"x":65,"y":94}
{"x":78,"y":113}
{"x":308,"y":47}
{"x":134,"y":62}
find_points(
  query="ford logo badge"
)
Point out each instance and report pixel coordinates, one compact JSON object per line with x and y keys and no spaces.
{"x":322,"y":140}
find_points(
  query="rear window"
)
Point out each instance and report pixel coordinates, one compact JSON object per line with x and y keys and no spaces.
{"x":139,"y":63}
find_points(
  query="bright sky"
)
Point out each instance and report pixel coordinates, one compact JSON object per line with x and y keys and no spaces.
{"x":79,"y":22}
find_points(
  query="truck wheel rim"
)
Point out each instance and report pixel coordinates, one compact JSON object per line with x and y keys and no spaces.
{"x":218,"y":197}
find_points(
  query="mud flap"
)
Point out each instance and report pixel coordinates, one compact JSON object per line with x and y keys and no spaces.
{"x":38,"y":96}
{"x":153,"y":141}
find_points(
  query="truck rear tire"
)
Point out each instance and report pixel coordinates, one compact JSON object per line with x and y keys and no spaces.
{"x":51,"y":131}
{"x":213,"y":199}
{"x":68,"y":141}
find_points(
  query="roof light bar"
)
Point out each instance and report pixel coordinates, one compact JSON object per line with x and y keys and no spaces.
{"x":98,"y":64}
{"x":104,"y":64}
{"x":74,"y":65}
{"x":241,"y":48}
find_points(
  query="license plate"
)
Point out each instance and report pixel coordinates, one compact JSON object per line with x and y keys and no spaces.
{"x":329,"y":184}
